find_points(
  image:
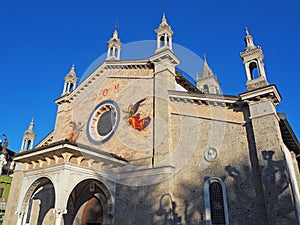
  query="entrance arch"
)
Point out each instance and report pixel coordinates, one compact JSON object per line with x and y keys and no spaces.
{"x":89,"y":204}
{"x":38,"y":201}
{"x":92,"y":212}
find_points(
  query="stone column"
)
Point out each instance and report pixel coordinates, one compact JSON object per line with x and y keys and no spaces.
{"x":20,"y":217}
{"x":58,"y":215}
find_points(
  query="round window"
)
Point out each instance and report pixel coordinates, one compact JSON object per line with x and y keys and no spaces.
{"x":103,"y":122}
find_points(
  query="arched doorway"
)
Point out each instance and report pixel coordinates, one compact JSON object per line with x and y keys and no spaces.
{"x":92,"y":213}
{"x":39,"y":201}
{"x":88,"y":204}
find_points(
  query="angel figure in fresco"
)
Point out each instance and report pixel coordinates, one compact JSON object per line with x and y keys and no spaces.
{"x":76,"y":128}
{"x":134,"y":119}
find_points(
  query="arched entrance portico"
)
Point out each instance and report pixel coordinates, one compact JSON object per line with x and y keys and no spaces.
{"x":38,"y":203}
{"x":89,"y":204}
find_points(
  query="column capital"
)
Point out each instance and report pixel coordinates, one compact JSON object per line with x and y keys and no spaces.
{"x":59,"y":212}
{"x":20,"y":213}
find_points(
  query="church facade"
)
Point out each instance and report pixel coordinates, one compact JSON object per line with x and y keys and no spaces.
{"x":137,"y":143}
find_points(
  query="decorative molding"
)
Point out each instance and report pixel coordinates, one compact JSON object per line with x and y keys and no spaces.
{"x":59,"y":212}
{"x":41,"y":163}
{"x":56,"y":159}
{"x":268,"y":92}
{"x":79,"y":159}
{"x":67,"y":156}
{"x":48,"y":160}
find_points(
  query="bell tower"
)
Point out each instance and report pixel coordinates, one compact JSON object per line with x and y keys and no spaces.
{"x":70,"y":81}
{"x":114,"y":47}
{"x":252,"y":58}
{"x":28,"y":137}
{"x":164,"y":35}
{"x":208,"y":82}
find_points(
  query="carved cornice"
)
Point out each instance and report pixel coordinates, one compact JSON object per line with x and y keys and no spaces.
{"x":203,"y":99}
{"x":66,"y":153}
{"x":267,"y":92}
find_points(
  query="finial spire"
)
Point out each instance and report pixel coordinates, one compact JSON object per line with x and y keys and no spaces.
{"x":204,"y":57}
{"x":248,"y":39}
{"x":247,"y":32}
{"x":164,"y":20}
{"x":164,"y":17}
{"x":72,"y":70}
{"x":31,"y":124}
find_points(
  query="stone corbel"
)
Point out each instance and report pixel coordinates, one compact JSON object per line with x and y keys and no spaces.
{"x":41,"y":163}
{"x":67,"y":156}
{"x":90,"y":162}
{"x":56,"y":159}
{"x":26,"y":166}
{"x":48,"y":160}
{"x":79,"y":160}
{"x":34,"y":164}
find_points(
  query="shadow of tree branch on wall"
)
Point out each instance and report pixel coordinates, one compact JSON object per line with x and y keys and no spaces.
{"x":167,"y":210}
{"x":180,"y":201}
{"x":276,"y":183}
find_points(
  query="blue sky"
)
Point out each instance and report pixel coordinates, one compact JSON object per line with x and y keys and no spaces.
{"x":39,"y":41}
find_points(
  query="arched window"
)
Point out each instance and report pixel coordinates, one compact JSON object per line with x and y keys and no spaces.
{"x":116,"y":53}
{"x":162,"y":41}
{"x":216,"y":211}
{"x":168,"y":41}
{"x":254,"y":70}
{"x":111,"y":51}
{"x":71,"y":87}
{"x":205,"y":89}
{"x":28,"y":145}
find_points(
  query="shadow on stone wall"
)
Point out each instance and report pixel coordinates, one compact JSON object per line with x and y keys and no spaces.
{"x":245,"y":206}
{"x":250,"y":203}
{"x":46,"y":199}
{"x":167,"y":210}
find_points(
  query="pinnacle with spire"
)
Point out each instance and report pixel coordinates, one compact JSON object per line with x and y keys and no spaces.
{"x":164,"y":25}
{"x":116,"y":33}
{"x":252,"y":58}
{"x":31,"y":125}
{"x":249,"y":40}
{"x":114,"y":45}
{"x":28,"y":137}
{"x":208,"y":82}
{"x":206,"y":71}
{"x":72,"y":72}
{"x":164,"y":20}
{"x":164,"y":35}
{"x":70,"y":81}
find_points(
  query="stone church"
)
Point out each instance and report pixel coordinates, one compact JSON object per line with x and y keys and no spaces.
{"x":136,"y":142}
